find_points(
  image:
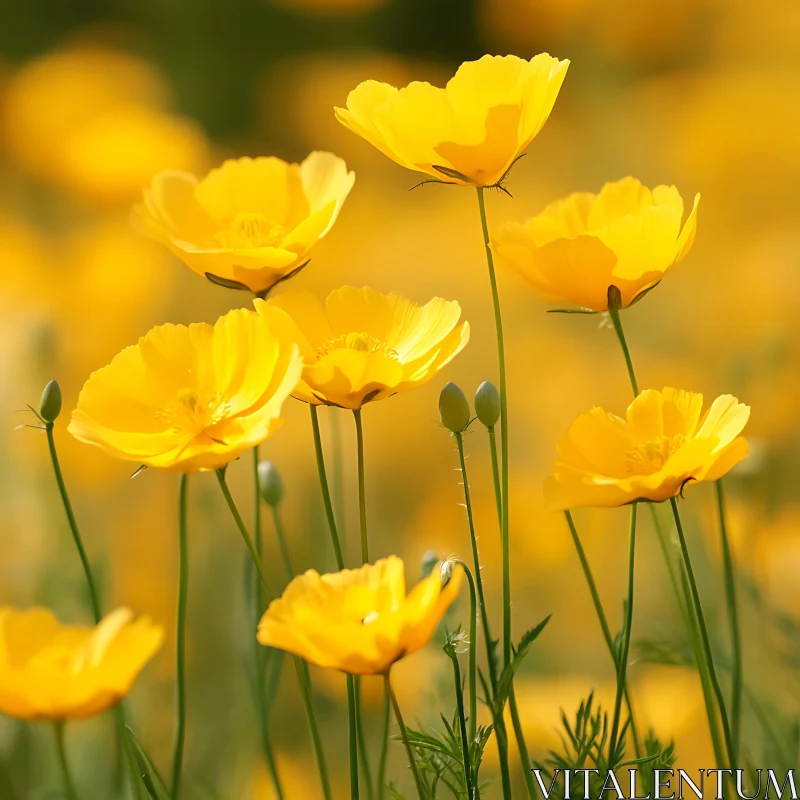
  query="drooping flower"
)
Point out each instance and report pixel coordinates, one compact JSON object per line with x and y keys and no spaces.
{"x":626,"y":236}
{"x":250,"y":223}
{"x":50,"y":671}
{"x":359,"y":621}
{"x":664,"y":443}
{"x":469,"y":133}
{"x":363,"y":345}
{"x":190,"y":398}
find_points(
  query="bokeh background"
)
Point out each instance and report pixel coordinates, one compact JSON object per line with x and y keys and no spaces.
{"x":97,"y":96}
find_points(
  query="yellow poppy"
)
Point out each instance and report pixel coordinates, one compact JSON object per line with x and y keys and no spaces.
{"x":190,"y":398}
{"x":364,"y":345}
{"x":50,"y":671}
{"x":250,"y":223}
{"x":626,"y":236}
{"x":662,"y":444}
{"x":469,"y":133}
{"x":358,"y":621}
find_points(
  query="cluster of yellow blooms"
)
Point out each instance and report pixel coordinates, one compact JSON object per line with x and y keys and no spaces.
{"x":188,"y":399}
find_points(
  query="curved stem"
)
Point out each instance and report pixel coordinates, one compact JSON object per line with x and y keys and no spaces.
{"x":501,"y":363}
{"x":622,"y":664}
{"x":519,"y":733}
{"x":69,"y":784}
{"x":502,"y":739}
{"x":362,"y":500}
{"x":259,"y":654}
{"x":473,"y":653}
{"x":701,"y":624}
{"x":237,"y":517}
{"x":617,"y":323}
{"x":733,"y":611}
{"x":352,"y":713}
{"x":601,"y":616}
{"x":462,"y":722}
{"x":180,"y":669}
{"x":387,"y":718}
{"x":404,"y":736}
{"x":326,"y":492}
{"x":73,"y":525}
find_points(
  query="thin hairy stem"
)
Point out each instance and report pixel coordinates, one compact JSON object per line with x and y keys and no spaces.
{"x":180,"y":668}
{"x":404,"y":736}
{"x":326,"y":492}
{"x":69,"y":783}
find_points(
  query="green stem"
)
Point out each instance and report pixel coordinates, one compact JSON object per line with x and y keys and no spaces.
{"x":387,"y":718}
{"x":259,"y":654}
{"x":502,"y":743}
{"x":622,"y":664}
{"x":362,"y":500}
{"x":119,"y":711}
{"x":303,"y":675}
{"x":704,"y":638}
{"x":362,"y":742}
{"x":404,"y":736}
{"x":512,"y":697}
{"x":180,"y":669}
{"x":69,"y":784}
{"x":462,"y":722}
{"x":733,"y":611}
{"x":601,"y":616}
{"x":617,"y":323}
{"x":501,"y":363}
{"x":280,"y":535}
{"x":352,"y":713}
{"x":237,"y":517}
{"x":326,"y":492}
{"x":473,"y":653}
{"x":73,"y":525}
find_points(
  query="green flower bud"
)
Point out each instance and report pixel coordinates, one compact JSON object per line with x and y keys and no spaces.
{"x":270,"y":484}
{"x":50,"y":406}
{"x":453,"y":408}
{"x":429,"y":561}
{"x":487,"y":404}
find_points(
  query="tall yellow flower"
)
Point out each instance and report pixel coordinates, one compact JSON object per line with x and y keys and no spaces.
{"x":359,"y":621}
{"x":663,"y":443}
{"x":364,"y":345}
{"x":468,"y":133}
{"x":190,"y":398}
{"x":250,"y":223}
{"x":55,"y":672}
{"x":626,"y":236}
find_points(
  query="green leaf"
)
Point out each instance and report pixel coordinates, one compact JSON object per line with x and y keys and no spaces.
{"x":227,"y":283}
{"x":152,"y":781}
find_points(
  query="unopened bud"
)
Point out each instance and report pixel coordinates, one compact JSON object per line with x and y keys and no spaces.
{"x":453,"y":408}
{"x":270,"y":484}
{"x":487,"y":404}
{"x":446,"y":569}
{"x":614,"y":298}
{"x":50,"y":405}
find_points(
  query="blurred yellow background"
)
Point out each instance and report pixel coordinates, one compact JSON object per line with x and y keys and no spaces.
{"x":702,"y":94}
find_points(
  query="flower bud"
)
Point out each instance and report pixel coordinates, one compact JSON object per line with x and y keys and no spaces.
{"x":429,"y":561}
{"x":50,"y":405}
{"x":270,"y":484}
{"x":446,"y":569}
{"x":487,"y":404}
{"x":453,"y":408}
{"x":614,"y":298}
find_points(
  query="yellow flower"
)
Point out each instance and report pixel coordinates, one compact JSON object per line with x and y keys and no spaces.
{"x":626,"y":236}
{"x":190,"y":398}
{"x":364,"y":345}
{"x":50,"y":671}
{"x":251,"y":222}
{"x":469,"y":133}
{"x":663,"y":444}
{"x":358,"y":621}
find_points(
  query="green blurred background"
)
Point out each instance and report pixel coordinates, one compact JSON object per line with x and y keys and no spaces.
{"x":95,"y":97}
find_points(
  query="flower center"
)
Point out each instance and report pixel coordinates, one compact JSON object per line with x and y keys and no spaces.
{"x":371,"y":617}
{"x":647,"y":458}
{"x":250,"y":230}
{"x":360,"y":342}
{"x":194,"y":410}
